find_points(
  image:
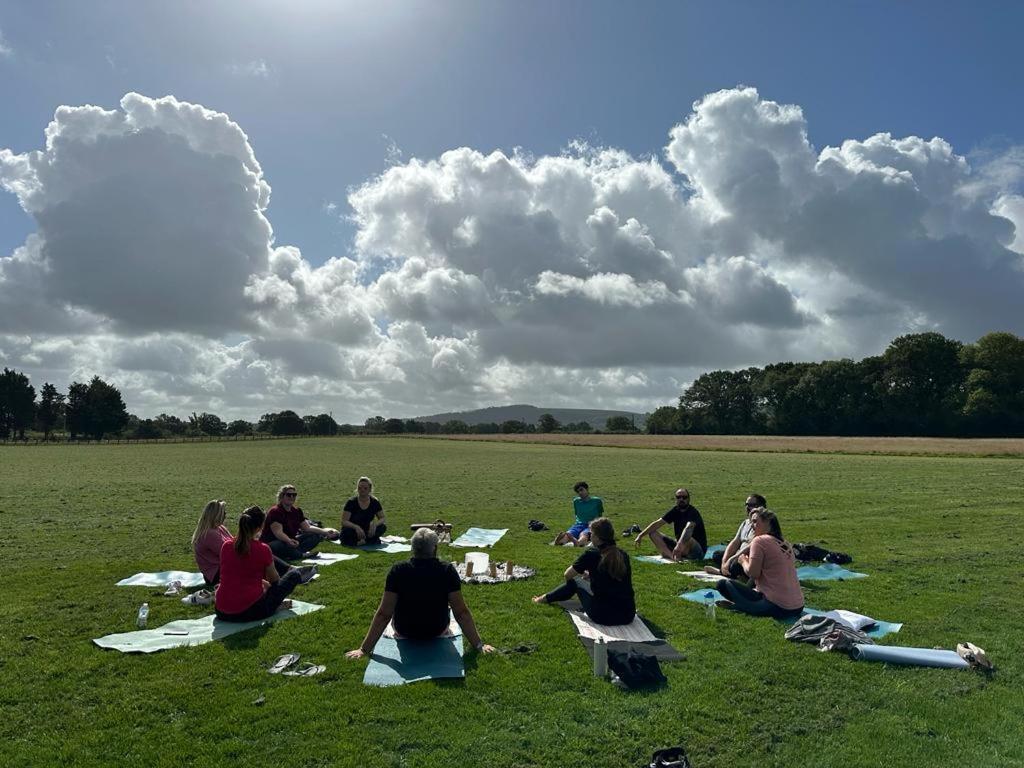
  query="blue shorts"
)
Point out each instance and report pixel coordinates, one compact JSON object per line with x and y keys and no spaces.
{"x":578,"y":529}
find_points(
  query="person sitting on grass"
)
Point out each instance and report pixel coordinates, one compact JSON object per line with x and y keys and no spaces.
{"x":362,"y":519}
{"x":250,"y":588}
{"x":729,"y":564}
{"x":209,"y":538}
{"x":609,"y":598}
{"x":586,"y":508}
{"x":417,"y":597}
{"x":288,"y":533}
{"x":691,"y":541}
{"x":771,"y":566}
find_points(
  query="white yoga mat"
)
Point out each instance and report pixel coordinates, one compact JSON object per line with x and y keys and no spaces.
{"x":480,"y":537}
{"x":636,"y":631}
{"x":453,"y":630}
{"x":329,"y":558}
{"x":163,"y":579}
{"x":700,"y":576}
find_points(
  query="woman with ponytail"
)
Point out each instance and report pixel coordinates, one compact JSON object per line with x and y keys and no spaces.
{"x":250,"y":588}
{"x":609,"y":598}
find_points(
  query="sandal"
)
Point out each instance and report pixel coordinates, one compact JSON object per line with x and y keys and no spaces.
{"x":306,"y":670}
{"x":283,"y":662}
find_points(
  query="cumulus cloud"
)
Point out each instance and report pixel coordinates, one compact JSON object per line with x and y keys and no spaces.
{"x":5,"y":48}
{"x":590,"y":277}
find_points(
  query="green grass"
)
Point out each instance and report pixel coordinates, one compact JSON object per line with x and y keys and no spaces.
{"x":940,"y":538}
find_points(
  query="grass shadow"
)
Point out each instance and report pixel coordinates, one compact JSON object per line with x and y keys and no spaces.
{"x":247,"y":640}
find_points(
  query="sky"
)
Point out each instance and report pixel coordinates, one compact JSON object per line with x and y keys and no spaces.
{"x":406,"y":208}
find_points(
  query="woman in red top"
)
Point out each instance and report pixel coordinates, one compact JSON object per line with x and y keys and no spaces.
{"x":770,"y":564}
{"x":250,"y":588}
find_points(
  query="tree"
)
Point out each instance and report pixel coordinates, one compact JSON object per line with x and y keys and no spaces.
{"x":513,"y":427}
{"x":547,"y":423}
{"x":374,"y":424}
{"x":664,"y":421}
{"x":76,"y":409}
{"x":50,"y":410}
{"x":455,"y":427}
{"x":240,"y":427}
{"x":17,"y":403}
{"x":486,"y":428}
{"x":287,"y":423}
{"x":95,"y":409}
{"x":394,"y":426}
{"x":994,"y":396}
{"x":322,"y":424}
{"x":924,"y":383}
{"x":170,"y":425}
{"x":414,"y":427}
{"x":144,"y":429}
{"x":619,"y":424}
{"x":208,"y":424}
{"x":431,"y":427}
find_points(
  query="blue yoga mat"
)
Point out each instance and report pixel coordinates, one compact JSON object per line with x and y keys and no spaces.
{"x":710,"y":553}
{"x":397,"y":662}
{"x":919,"y":657}
{"x":827,"y":572}
{"x":702,"y":595}
{"x":480,"y":537}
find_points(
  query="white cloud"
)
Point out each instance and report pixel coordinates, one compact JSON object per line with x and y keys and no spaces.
{"x":256,"y":68}
{"x":587,"y":278}
{"x":5,"y":48}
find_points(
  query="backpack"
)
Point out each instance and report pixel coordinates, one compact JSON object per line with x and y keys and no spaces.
{"x":806,"y":553}
{"x":635,"y":669}
{"x":673,"y":757}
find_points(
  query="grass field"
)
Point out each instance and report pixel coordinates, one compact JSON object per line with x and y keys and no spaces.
{"x":940,"y":538}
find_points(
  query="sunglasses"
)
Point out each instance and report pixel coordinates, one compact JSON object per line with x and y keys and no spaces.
{"x":290,"y":494}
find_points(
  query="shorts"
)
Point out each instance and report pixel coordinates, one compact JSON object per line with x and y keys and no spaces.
{"x":696,"y":550}
{"x":578,"y":529}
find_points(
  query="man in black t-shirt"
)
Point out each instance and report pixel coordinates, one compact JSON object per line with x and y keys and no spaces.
{"x":691,"y":541}
{"x":417,"y":597}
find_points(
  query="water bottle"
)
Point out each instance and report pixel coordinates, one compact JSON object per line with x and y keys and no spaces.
{"x":143,"y":616}
{"x":709,"y":606}
{"x":600,"y":658}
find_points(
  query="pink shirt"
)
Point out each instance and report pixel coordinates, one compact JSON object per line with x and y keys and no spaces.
{"x":773,"y":568}
{"x":208,"y":552}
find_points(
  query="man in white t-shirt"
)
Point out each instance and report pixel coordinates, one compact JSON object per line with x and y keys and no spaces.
{"x":740,"y":542}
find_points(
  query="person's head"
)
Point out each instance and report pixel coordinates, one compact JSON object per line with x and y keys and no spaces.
{"x":286,"y":495}
{"x":364,"y":486}
{"x":602,"y":534}
{"x":213,"y":516}
{"x":682,"y":498}
{"x":250,"y":523}
{"x":582,"y":489}
{"x":424,"y":543}
{"x":765,"y":522}
{"x":755,"y":501}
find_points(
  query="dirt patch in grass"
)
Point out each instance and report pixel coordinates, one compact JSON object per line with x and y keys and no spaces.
{"x":905,"y":446}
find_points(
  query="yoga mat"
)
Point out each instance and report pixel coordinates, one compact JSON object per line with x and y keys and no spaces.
{"x":453,"y":629}
{"x":881,"y":628}
{"x":636,"y":635}
{"x":827,"y":572}
{"x":329,"y":558}
{"x":398,"y":662}
{"x":662,"y":650}
{"x":189,"y":632}
{"x":480,"y":537}
{"x":702,"y":596}
{"x":389,"y":539}
{"x":163,"y":579}
{"x":657,"y":559}
{"x":389,"y":548}
{"x":710,"y":553}
{"x":920,"y":657}
{"x":700,"y":575}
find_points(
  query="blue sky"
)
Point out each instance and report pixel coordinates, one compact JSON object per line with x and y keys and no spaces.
{"x":471,"y":279}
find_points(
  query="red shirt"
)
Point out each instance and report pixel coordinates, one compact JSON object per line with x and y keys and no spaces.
{"x":290,"y":521}
{"x":241,"y":576}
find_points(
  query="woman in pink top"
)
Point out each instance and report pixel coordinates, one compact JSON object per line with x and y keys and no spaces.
{"x":770,"y":564}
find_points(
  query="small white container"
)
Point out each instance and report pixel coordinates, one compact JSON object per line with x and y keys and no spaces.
{"x":600,"y":658}
{"x":143,"y":616}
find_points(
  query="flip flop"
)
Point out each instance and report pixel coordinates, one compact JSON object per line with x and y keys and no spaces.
{"x":283,"y":662}
{"x":306,"y":670}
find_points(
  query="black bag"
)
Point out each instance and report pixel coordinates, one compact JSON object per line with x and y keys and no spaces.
{"x":807,"y":553}
{"x":673,"y":757}
{"x":536,"y":525}
{"x":635,"y":669}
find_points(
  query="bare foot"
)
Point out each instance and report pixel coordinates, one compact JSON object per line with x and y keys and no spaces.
{"x":539,"y":599}
{"x":712,"y":570}
{"x":285,"y":605}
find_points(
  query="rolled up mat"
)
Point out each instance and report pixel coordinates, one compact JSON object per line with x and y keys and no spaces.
{"x":918,"y":657}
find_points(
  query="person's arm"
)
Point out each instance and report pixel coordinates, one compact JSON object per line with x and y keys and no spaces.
{"x":376,"y":521}
{"x":465,"y":619}
{"x":654,"y":525}
{"x":305,"y":525}
{"x":753,"y":562}
{"x":346,"y":522}
{"x":270,"y":574}
{"x":685,"y":537}
{"x":385,"y":611}
{"x":278,"y":530}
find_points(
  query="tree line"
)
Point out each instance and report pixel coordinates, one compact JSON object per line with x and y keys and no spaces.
{"x":922,"y":385}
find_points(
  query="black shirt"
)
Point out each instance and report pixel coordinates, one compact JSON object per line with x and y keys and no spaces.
{"x":613,"y":598}
{"x":422,"y":586}
{"x":680,"y":517}
{"x":362,"y":517}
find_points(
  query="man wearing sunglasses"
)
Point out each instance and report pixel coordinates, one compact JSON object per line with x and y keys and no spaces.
{"x":691,"y":541}
{"x":287,"y":531}
{"x":730,"y":557}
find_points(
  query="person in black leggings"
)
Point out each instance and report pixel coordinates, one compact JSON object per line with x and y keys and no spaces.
{"x":610,"y":598}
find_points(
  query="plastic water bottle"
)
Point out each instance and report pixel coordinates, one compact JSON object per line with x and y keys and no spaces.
{"x":709,"y":607}
{"x":600,"y":658}
{"x":143,"y":617}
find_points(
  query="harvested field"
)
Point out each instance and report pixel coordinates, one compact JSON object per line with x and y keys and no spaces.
{"x":897,"y":446}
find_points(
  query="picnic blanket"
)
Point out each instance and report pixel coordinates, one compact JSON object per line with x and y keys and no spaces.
{"x":920,"y":657}
{"x":163,"y":579}
{"x":329,"y":558}
{"x":636,"y":635}
{"x":189,"y":632}
{"x":880,"y":629}
{"x":480,"y":537}
{"x":397,"y":661}
{"x":827,"y":572}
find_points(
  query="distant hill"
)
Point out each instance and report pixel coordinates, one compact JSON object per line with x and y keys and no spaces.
{"x":530,"y":414}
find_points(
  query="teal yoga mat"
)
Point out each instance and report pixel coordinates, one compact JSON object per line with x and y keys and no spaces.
{"x":827,"y":572}
{"x":189,"y":632}
{"x":388,"y":548}
{"x":398,"y":662}
{"x":918,"y":657}
{"x":702,"y":595}
{"x":163,"y":579}
{"x":480,"y":537}
{"x":710,"y":553}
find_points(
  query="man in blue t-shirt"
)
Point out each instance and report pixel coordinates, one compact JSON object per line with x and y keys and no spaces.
{"x":691,"y":541}
{"x":586,"y":508}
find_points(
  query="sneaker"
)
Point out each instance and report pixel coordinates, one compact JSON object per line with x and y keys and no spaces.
{"x":173,"y":588}
{"x":202,"y":597}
